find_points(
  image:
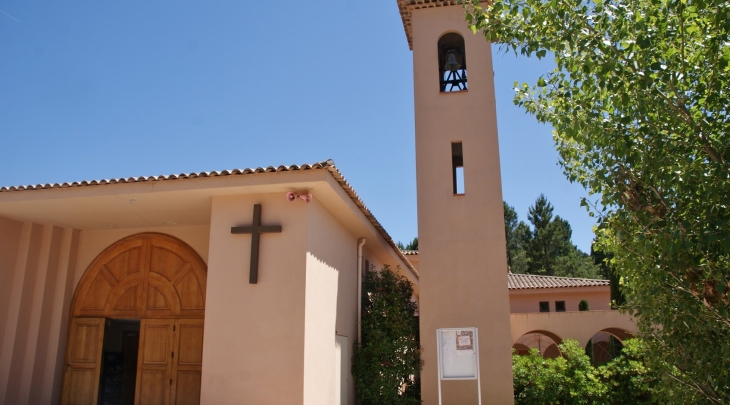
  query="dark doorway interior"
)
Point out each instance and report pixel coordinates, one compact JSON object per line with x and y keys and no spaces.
{"x":119,"y":362}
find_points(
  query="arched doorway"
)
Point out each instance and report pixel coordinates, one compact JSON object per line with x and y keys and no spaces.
{"x":158,"y":282}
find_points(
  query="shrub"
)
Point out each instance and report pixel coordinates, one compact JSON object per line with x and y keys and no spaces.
{"x":583,"y":306}
{"x":630,"y":378}
{"x":567,"y":380}
{"x":384,"y":366}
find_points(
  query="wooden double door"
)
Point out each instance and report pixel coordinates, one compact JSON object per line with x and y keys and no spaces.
{"x":159,"y":280}
{"x":169,"y":362}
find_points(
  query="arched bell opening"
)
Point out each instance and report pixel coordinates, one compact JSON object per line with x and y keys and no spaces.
{"x":452,"y":63}
{"x":150,"y":289}
{"x":606,"y":345}
{"x":545,"y":342}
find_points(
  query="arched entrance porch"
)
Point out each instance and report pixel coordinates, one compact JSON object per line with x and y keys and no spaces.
{"x":159,"y":282}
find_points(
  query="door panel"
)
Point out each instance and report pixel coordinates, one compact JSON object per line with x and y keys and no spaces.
{"x":153,"y":387}
{"x":154,"y":371}
{"x":187,"y":388}
{"x":187,"y":362}
{"x":83,"y":362}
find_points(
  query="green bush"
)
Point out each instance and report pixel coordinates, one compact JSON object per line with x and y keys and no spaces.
{"x":583,"y":306}
{"x":629,"y":378}
{"x":567,"y":380}
{"x":384,"y":366}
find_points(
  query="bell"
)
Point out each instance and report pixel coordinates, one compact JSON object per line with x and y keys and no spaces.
{"x":452,"y":64}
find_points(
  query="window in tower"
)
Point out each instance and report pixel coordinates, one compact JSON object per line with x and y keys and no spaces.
{"x":457,"y":167}
{"x":452,"y":63}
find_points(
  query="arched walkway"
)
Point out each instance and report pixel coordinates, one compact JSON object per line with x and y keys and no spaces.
{"x":153,"y":287}
{"x":580,"y":326}
{"x":544,"y":341}
{"x":605,"y":345}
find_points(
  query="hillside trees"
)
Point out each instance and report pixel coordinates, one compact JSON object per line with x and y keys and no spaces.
{"x":412,"y":245}
{"x":639,"y":105}
{"x":545,"y":248}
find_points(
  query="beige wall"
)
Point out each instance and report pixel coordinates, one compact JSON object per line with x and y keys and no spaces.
{"x":524,"y":301}
{"x":9,"y":241}
{"x":278,"y":336}
{"x":331,"y":303}
{"x":35,"y":311}
{"x":461,"y":238}
{"x":253,"y":349}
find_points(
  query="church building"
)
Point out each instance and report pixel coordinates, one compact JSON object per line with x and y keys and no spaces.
{"x":243,"y":286}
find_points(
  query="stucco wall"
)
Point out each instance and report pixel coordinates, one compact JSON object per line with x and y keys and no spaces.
{"x":35,"y":311}
{"x":525,"y":301}
{"x":331,"y":306}
{"x":9,"y":240}
{"x":462,"y":254}
{"x":253,"y":349}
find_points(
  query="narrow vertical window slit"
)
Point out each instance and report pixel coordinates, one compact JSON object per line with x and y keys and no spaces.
{"x":457,"y":167}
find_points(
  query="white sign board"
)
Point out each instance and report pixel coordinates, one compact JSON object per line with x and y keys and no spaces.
{"x":457,"y":353}
{"x":458,"y":356}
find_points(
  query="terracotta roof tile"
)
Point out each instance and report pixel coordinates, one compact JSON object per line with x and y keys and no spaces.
{"x":234,"y":172}
{"x":328,"y":165}
{"x":530,"y":281}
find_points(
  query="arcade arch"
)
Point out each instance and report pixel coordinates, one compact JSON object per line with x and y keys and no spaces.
{"x":545,"y":342}
{"x":157,"y":282}
{"x":605,"y":345}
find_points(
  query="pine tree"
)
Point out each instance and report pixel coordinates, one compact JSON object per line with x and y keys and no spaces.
{"x":549,"y":238}
{"x":545,"y":249}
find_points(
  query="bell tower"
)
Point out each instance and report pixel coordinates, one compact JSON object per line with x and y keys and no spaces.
{"x":462,"y":249}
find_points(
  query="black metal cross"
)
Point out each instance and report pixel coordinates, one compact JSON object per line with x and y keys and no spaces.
{"x":256,"y":229}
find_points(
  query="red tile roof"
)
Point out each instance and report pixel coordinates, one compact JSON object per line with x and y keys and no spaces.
{"x":530,"y":281}
{"x":328,"y":165}
{"x":234,"y":172}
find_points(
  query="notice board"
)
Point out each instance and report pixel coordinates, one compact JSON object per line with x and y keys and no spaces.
{"x":458,"y":353}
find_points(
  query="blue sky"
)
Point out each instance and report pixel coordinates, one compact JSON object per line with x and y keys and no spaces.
{"x":92,"y":90}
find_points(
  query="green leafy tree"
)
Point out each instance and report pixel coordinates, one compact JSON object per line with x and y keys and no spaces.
{"x":632,"y":379}
{"x":639,"y":105}
{"x":629,"y":378}
{"x":384,"y":366}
